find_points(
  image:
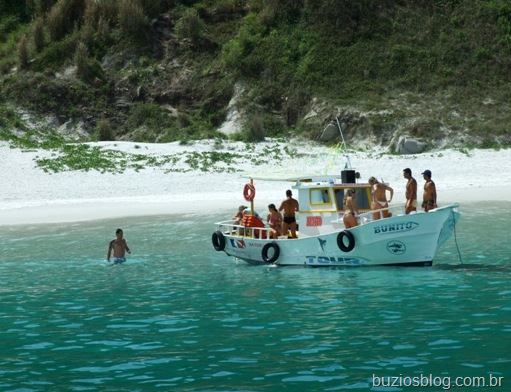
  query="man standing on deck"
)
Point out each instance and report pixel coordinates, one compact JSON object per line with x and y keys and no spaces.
{"x":290,"y":206}
{"x":429,"y":197}
{"x":411,"y":191}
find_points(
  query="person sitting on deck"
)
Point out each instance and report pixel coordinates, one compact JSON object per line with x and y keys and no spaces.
{"x":239,"y":215}
{"x":275,"y":221}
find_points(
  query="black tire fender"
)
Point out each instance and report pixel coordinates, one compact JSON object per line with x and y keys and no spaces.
{"x":276,"y":252}
{"x":351,"y":241}
{"x":218,"y":240}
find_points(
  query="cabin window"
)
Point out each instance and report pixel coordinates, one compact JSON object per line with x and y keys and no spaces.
{"x":339,"y":197}
{"x":362,"y":200}
{"x":320,"y":196}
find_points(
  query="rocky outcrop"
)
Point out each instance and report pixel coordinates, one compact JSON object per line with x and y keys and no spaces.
{"x":406,"y":145}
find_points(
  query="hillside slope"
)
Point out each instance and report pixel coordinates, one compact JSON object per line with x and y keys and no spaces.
{"x":158,"y":71}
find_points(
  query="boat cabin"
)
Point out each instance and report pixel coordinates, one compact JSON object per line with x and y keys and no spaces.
{"x":321,"y":201}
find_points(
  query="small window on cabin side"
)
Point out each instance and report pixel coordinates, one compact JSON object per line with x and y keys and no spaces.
{"x":339,"y":198}
{"x":320,"y":196}
{"x":362,"y":200}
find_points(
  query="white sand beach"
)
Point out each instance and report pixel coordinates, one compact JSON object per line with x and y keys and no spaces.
{"x":31,"y":196}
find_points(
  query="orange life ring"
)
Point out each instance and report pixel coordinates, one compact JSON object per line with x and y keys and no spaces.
{"x":249,"y":192}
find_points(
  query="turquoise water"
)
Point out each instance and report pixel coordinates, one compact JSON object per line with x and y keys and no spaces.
{"x":179,"y":316}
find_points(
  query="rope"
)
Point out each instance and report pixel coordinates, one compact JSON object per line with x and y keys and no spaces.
{"x":455,"y":237}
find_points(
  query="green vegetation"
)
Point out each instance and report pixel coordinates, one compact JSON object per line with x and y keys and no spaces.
{"x":64,"y":156}
{"x":83,"y":157}
{"x":165,"y":70}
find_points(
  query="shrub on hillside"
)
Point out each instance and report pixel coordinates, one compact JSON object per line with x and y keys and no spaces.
{"x":87,"y":69}
{"x":7,"y":24}
{"x":87,"y":35}
{"x":38,"y":34}
{"x":155,"y":7}
{"x":104,"y":131}
{"x":81,"y":60}
{"x":255,"y":129}
{"x":149,"y":114}
{"x":190,"y":26}
{"x":99,"y":11}
{"x":55,"y":24}
{"x":103,"y":29}
{"x":132,"y":19}
{"x":54,"y":54}
{"x":23,"y":53}
{"x":40,"y":7}
{"x":62,"y":18}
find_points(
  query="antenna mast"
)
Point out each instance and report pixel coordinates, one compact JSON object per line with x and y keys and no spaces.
{"x":343,"y":142}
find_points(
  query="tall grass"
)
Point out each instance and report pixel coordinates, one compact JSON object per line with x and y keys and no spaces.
{"x":81,"y":60}
{"x":38,"y":34}
{"x":23,"y":53}
{"x":62,"y":18}
{"x":99,"y":16}
{"x":39,"y":7}
{"x":132,"y":20}
{"x":88,"y":69}
{"x":100,"y":12}
{"x":103,"y":28}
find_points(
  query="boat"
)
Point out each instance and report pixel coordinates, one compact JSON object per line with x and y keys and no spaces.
{"x":322,"y":238}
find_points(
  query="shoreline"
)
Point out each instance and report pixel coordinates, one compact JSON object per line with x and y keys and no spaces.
{"x":87,"y":211}
{"x":32,"y":196}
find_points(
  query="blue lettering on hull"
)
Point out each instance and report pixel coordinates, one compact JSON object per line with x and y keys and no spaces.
{"x":395,"y":227}
{"x":324,"y":260}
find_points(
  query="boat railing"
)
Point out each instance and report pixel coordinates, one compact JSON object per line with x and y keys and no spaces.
{"x":233,"y":229}
{"x":369,"y":216}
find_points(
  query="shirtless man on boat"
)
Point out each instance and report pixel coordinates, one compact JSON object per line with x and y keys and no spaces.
{"x":290,"y":206}
{"x":119,"y":247}
{"x":429,"y":196}
{"x":380,"y":198}
{"x":411,"y":191}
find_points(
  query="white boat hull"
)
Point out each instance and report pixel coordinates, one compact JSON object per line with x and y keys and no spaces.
{"x":399,"y":240}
